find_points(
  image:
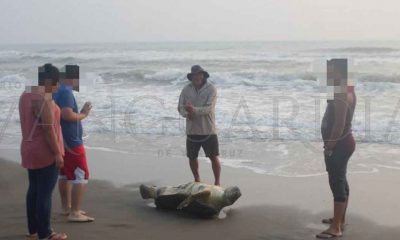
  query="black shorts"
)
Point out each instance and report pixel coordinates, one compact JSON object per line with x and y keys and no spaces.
{"x":209,"y":143}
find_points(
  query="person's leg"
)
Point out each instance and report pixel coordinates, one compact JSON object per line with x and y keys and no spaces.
{"x":337,"y":171}
{"x":336,"y":167}
{"x":194,"y":167}
{"x":76,"y":214}
{"x":77,"y":174}
{"x":216,"y":167}
{"x":193,"y":145}
{"x":337,"y":182}
{"x":350,"y":148}
{"x":339,"y":205}
{"x":345,"y":149}
{"x":338,"y":186}
{"x":47,"y":180}
{"x":78,"y":191}
{"x":31,"y":203}
{"x":65,"y":188}
{"x":347,"y":188}
{"x":330,"y":220}
{"x":211,"y":149}
{"x":339,"y":210}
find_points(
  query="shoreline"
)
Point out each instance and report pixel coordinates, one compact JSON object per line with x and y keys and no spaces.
{"x":278,"y":158}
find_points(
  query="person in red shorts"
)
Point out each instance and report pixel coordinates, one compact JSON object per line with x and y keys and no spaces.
{"x":75,"y":173}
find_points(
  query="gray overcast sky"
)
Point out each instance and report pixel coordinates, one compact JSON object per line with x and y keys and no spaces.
{"x":71,"y":21}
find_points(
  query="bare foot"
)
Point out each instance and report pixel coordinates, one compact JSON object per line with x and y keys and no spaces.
{"x":329,"y":221}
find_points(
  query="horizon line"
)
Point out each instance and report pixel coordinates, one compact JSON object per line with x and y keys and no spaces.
{"x":193,"y":41}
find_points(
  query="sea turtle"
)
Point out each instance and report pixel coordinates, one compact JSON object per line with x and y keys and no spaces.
{"x":196,"y":198}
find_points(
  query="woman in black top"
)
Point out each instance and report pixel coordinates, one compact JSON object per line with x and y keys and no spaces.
{"x":339,"y":143}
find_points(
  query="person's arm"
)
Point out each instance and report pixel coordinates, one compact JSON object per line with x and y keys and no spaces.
{"x":210,"y":104}
{"x":340,"y":102}
{"x":47,"y":124}
{"x":69,"y":115}
{"x":66,"y":102}
{"x":181,"y":105}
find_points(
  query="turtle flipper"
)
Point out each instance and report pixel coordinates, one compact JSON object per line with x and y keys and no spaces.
{"x":197,"y":196}
{"x":147,"y":191}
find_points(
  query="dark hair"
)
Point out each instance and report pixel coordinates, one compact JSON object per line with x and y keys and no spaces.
{"x":48,"y":71}
{"x":71,"y":72}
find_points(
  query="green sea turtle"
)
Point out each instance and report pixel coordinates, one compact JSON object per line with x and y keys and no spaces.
{"x":196,"y":198}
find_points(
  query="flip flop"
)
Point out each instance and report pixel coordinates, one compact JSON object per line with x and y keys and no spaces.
{"x":328,"y":235}
{"x":56,"y":236}
{"x":80,"y":219}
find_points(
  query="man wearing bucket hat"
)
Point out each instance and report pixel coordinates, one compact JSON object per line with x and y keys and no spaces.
{"x":197,"y":104}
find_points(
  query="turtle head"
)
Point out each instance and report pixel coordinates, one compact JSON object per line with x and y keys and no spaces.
{"x":147,"y":191}
{"x":231,"y":194}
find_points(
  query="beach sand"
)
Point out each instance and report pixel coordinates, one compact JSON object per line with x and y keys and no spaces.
{"x":271,"y":207}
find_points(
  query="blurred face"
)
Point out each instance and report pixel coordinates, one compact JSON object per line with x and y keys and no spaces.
{"x":198,"y":79}
{"x":49,"y":87}
{"x":76,"y":84}
{"x":73,"y":83}
{"x":335,"y":77}
{"x":336,"y":80}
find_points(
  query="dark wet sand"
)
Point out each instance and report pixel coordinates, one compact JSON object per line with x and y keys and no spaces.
{"x":121,"y":214}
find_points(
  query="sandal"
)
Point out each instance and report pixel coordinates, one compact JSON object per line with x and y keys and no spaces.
{"x":56,"y":236}
{"x":328,"y":235}
{"x":65,"y":213}
{"x":80,"y":218}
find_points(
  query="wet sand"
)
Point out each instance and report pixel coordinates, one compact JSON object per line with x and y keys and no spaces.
{"x":270,"y":208}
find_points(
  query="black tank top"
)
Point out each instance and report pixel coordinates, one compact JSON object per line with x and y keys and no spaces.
{"x":329,"y":119}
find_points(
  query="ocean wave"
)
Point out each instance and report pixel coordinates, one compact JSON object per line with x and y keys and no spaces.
{"x":393,"y":78}
{"x":13,"y":82}
{"x":128,"y":76}
{"x":168,"y":75}
{"x":366,"y":50}
{"x":10,"y":53}
{"x":253,"y":77}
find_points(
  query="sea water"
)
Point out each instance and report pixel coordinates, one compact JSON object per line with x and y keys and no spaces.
{"x":267,"y":91}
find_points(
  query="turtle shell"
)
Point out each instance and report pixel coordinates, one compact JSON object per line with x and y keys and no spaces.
{"x":201,"y":209}
{"x":171,"y":201}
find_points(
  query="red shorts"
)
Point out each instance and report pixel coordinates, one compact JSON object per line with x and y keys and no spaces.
{"x":75,"y":165}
